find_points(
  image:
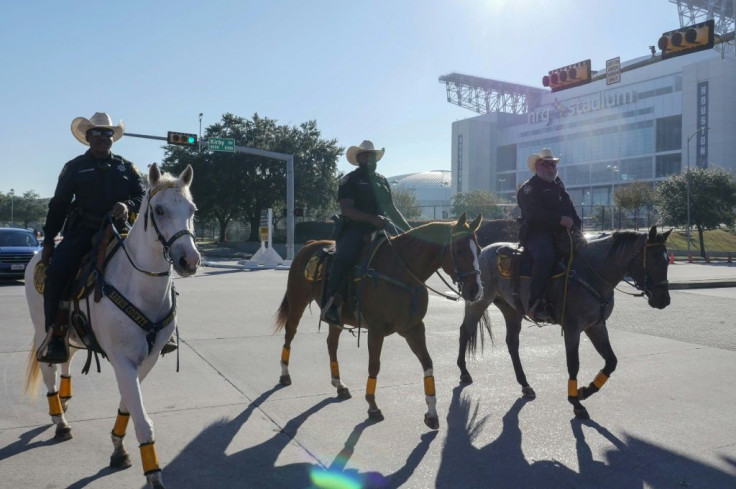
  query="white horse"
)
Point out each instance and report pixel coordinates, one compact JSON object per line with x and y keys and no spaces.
{"x":138,"y":278}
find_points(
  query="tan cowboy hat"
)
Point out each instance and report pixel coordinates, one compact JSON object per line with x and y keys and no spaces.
{"x":545,"y":154}
{"x":365,"y":147}
{"x":81,"y":125}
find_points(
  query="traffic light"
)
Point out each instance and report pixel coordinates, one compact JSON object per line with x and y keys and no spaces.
{"x":182,"y":138}
{"x":568,"y":77}
{"x":687,"y":39}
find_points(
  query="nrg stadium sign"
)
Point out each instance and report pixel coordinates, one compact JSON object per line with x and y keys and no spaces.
{"x":582,"y":105}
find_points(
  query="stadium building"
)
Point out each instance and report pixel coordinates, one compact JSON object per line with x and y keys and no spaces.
{"x":639,"y":120}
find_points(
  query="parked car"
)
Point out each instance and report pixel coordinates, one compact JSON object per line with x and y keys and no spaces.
{"x":17,"y":247}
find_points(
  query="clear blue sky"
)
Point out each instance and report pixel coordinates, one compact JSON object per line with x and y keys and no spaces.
{"x":362,"y":70}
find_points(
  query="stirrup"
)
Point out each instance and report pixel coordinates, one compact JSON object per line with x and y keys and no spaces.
{"x":62,"y":356}
{"x":331,"y":311}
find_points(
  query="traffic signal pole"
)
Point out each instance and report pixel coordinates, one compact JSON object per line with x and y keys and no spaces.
{"x":145,"y":136}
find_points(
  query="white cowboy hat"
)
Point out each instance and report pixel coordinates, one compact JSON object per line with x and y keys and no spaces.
{"x":545,"y":154}
{"x":365,"y":147}
{"x":81,"y":125}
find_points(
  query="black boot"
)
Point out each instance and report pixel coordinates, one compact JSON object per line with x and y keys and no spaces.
{"x":57,"y":351}
{"x":331,"y":312}
{"x":538,"y":312}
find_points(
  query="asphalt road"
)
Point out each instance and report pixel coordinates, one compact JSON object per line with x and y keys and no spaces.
{"x":664,"y":419}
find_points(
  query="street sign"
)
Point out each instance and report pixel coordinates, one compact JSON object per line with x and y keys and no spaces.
{"x":613,"y":71}
{"x":221,"y":144}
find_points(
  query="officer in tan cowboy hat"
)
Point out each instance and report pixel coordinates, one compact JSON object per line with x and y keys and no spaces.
{"x":546,"y":209}
{"x":89,"y":186}
{"x":365,"y":202}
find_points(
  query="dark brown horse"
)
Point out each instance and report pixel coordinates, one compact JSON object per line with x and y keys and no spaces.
{"x":393,"y":298}
{"x":586,"y":298}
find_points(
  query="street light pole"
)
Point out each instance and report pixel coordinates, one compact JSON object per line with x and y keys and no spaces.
{"x":12,"y":218}
{"x":614,"y":169}
{"x":687,"y":184}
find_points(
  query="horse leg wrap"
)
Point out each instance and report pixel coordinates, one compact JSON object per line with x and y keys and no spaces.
{"x":335,"y":370}
{"x":370,"y":386}
{"x":121,"y":424}
{"x":65,"y":388}
{"x":285,"y":352}
{"x":54,"y":404}
{"x":429,"y":384}
{"x":599,"y":380}
{"x":572,"y":389}
{"x":149,"y":458}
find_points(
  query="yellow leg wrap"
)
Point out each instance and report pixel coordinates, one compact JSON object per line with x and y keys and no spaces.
{"x":600,"y":379}
{"x":335,"y":370}
{"x":121,"y":424}
{"x":54,"y":404}
{"x":370,"y":386}
{"x":285,"y":352}
{"x":149,"y":457}
{"x":65,"y":388}
{"x":429,"y":385}
{"x":572,"y":388}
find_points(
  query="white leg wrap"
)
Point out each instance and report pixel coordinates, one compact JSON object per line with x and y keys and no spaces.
{"x":284,"y":369}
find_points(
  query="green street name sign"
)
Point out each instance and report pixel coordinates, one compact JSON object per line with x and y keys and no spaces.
{"x":221,"y":144}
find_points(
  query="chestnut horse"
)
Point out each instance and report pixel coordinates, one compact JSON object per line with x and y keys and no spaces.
{"x":586,"y":298}
{"x":393,"y":298}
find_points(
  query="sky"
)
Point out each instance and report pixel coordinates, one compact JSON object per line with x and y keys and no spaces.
{"x":361,"y":70}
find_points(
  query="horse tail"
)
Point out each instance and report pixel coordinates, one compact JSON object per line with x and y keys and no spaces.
{"x":472,"y":331}
{"x":33,"y":374}
{"x":282,"y":315}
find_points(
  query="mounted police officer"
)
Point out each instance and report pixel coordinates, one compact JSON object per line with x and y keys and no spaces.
{"x":89,"y":186}
{"x":546,"y":210}
{"x":365,"y":201}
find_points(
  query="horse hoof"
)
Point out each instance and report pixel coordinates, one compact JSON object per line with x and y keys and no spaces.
{"x":155,"y":481}
{"x":120,"y":461}
{"x":285,"y":380}
{"x":375,"y":414}
{"x":581,"y":413}
{"x":432,"y":422}
{"x":528,"y":393}
{"x":63,"y":433}
{"x":343,"y":393}
{"x":466,"y":379}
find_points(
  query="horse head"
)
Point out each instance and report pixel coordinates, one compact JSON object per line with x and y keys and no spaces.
{"x":170,"y":210}
{"x":649,"y":269}
{"x":462,"y":262}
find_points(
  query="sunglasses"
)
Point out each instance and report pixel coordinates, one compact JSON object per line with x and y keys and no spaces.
{"x":101,"y":132}
{"x":547,"y":164}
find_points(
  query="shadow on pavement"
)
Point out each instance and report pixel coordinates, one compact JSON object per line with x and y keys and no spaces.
{"x":204,"y":463}
{"x":633,"y":463}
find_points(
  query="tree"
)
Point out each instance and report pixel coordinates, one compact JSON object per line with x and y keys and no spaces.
{"x":480,"y":202}
{"x":712,"y":200}
{"x":229,"y":186}
{"x":406,"y":202}
{"x":633,"y":197}
{"x":23,"y":210}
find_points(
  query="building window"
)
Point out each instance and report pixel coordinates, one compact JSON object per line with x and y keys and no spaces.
{"x":506,"y":158}
{"x":669,"y":133}
{"x":459,"y":163}
{"x":668,"y":165}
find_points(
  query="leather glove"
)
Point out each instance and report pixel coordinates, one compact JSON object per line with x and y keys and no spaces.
{"x":47,"y":252}
{"x":120,"y":211}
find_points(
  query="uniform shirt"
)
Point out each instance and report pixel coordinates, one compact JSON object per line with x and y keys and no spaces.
{"x":543,"y":204}
{"x":90,"y":187}
{"x":370,"y":194}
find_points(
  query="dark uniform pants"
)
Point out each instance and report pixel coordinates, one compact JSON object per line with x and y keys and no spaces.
{"x":541,"y":247}
{"x":348,"y":246}
{"x":64,"y":264}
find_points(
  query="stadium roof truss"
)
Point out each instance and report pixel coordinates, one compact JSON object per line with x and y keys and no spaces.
{"x":484,"y":95}
{"x":694,"y":11}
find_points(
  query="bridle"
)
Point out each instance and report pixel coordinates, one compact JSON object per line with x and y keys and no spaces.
{"x":459,"y":276}
{"x":165,"y":243}
{"x":646,"y":288}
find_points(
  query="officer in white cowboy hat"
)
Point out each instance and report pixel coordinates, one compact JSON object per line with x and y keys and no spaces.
{"x":365,"y":202}
{"x":546,"y":209}
{"x":89,"y":186}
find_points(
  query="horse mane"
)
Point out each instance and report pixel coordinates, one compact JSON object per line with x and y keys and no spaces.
{"x":436,"y":232}
{"x":611,"y":246}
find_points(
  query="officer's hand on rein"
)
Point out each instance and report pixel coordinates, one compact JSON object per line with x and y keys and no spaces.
{"x":379,"y":221}
{"x":120,"y":211}
{"x":566,"y":221}
{"x":47,"y":253}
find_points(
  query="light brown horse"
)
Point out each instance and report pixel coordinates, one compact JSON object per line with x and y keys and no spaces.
{"x":393,"y":298}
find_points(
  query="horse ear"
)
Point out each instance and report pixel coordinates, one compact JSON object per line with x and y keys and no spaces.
{"x":667,"y":234}
{"x":187,"y":175}
{"x":653,"y":233}
{"x":154,"y":174}
{"x":461,"y":221}
{"x":476,"y":223}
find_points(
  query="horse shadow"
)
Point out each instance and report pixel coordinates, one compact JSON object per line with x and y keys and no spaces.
{"x":24,"y":442}
{"x":205,"y":463}
{"x":632,"y":463}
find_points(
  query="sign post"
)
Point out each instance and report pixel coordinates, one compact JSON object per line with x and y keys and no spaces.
{"x":613,"y":71}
